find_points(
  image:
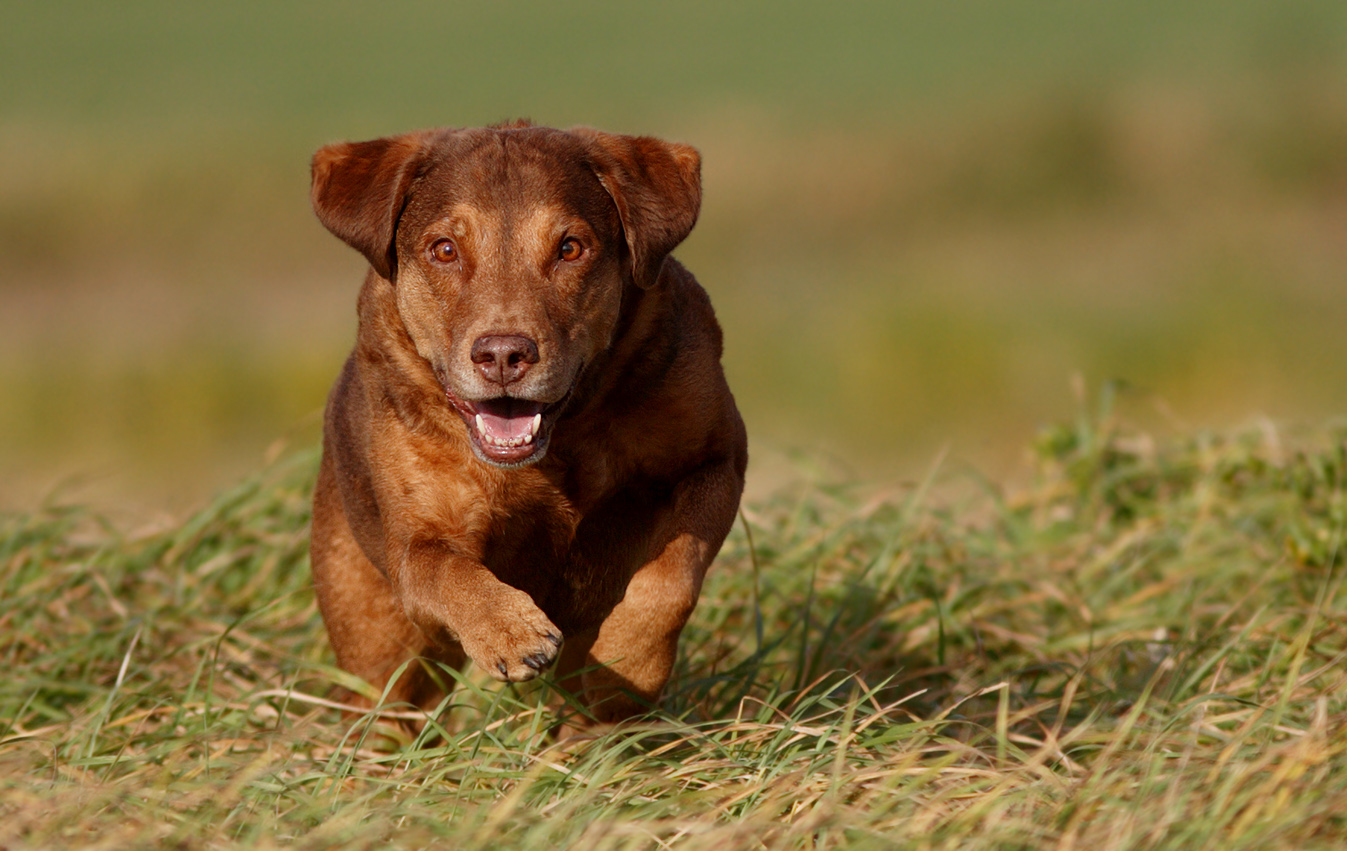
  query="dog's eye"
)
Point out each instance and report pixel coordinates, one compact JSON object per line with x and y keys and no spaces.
{"x":571,"y":249}
{"x":444,"y":251}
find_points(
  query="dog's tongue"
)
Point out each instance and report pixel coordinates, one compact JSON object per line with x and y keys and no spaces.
{"x":507,"y":419}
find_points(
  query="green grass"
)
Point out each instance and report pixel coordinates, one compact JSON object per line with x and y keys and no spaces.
{"x":1143,"y":647}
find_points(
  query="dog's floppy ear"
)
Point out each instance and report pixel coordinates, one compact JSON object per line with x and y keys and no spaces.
{"x":359,"y":189}
{"x":657,"y":187}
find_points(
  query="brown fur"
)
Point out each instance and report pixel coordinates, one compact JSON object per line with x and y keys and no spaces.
{"x":433,"y":538}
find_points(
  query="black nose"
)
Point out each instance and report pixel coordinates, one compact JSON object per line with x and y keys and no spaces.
{"x":504,"y":359}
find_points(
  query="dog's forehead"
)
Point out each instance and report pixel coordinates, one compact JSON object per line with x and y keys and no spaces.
{"x":512,"y":169}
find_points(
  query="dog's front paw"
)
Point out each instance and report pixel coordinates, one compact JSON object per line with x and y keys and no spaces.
{"x":512,"y":640}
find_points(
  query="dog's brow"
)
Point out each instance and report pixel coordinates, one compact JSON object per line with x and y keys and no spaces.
{"x":543,"y":225}
{"x":469,"y":220}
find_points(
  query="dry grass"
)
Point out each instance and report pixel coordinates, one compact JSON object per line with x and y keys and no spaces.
{"x":1144,"y":648}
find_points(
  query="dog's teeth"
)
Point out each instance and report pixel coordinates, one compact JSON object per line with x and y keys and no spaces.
{"x":503,"y":442}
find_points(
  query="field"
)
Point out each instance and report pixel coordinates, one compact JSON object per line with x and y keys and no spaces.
{"x":1142,"y":649}
{"x":1035,"y":314}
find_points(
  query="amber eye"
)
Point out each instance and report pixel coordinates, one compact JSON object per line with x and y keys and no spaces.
{"x":444,"y":251}
{"x":571,"y":249}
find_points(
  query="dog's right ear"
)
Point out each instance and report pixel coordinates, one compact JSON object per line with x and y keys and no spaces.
{"x":359,"y":190}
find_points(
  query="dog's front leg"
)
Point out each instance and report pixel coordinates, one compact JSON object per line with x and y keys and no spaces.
{"x":455,"y":600}
{"x":629,"y":658}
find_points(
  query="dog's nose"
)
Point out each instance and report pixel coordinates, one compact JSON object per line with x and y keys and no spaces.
{"x":504,"y":359}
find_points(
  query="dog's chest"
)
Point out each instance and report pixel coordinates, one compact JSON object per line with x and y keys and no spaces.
{"x":575,"y":565}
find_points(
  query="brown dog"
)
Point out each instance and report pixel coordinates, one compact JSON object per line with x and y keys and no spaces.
{"x":533,"y":439}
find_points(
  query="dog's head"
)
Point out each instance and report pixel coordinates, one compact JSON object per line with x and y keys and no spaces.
{"x":510,"y":249}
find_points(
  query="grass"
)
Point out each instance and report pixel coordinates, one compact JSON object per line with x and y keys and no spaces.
{"x":1143,"y":647}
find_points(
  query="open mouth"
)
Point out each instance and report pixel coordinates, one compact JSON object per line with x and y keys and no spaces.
{"x":508,"y":431}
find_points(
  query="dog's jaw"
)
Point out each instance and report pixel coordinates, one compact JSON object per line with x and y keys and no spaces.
{"x":506,"y":431}
{"x":509,"y":432}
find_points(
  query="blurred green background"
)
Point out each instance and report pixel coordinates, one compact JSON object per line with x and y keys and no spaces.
{"x":924,"y":222}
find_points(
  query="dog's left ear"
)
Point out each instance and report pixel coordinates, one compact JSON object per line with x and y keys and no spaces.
{"x":359,"y":190}
{"x":657,"y":187}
